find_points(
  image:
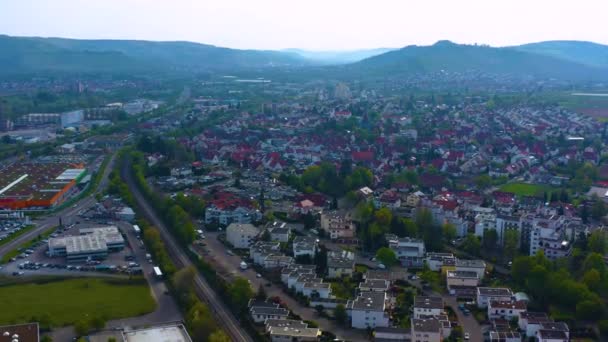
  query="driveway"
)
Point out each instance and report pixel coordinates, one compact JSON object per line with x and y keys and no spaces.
{"x":231,"y":264}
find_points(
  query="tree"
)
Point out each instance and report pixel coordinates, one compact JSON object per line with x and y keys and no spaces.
{"x":340,"y":314}
{"x":98,"y":322}
{"x":240,"y":293}
{"x":261,"y":294}
{"x":386,"y":256}
{"x":511,"y":240}
{"x":483,"y":181}
{"x":383,"y":216}
{"x":82,"y":327}
{"x":490,"y":238}
{"x":597,"y":242}
{"x":265,"y":235}
{"x":200,"y":321}
{"x":589,"y":310}
{"x":592,"y":279}
{"x":219,"y":336}
{"x":449,"y":231}
{"x":431,"y":233}
{"x":471,"y":244}
{"x":47,"y":338}
{"x":595,"y":261}
{"x":598,"y":210}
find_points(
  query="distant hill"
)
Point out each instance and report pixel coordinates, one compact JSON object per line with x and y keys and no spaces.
{"x":33,"y":54}
{"x":448,"y":56}
{"x":588,"y":53}
{"x":338,"y":57}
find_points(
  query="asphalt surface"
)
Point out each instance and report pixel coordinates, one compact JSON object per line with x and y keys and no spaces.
{"x":67,"y":215}
{"x":223,"y":316}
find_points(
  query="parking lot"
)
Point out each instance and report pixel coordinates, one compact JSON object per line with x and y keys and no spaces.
{"x":11,"y":227}
{"x":35,"y":261}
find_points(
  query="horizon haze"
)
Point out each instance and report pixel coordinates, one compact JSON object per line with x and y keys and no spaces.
{"x":314,"y":25}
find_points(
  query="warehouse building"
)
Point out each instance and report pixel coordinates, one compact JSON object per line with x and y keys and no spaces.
{"x":93,"y":243}
{"x":37,"y":185}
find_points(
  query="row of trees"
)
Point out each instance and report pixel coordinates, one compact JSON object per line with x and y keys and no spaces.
{"x":198,"y":317}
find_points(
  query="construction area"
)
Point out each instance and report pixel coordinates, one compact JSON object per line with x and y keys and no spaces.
{"x":37,"y":185}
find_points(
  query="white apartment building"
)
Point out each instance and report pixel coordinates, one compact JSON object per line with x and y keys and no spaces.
{"x":241,"y":235}
{"x":368,"y":310}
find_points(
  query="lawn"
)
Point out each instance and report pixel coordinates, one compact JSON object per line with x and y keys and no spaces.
{"x":525,"y":189}
{"x":64,"y":302}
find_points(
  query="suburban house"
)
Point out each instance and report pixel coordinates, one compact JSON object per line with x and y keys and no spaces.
{"x":409,"y":251}
{"x":317,"y":290}
{"x":461,"y":278}
{"x":426,"y":330}
{"x":260,"y":311}
{"x":440,"y":261}
{"x":304,"y":245}
{"x":374,"y":285}
{"x":487,"y":294}
{"x":425,"y":307}
{"x":477,"y":266}
{"x":287,"y":330}
{"x":368,"y":310}
{"x":506,"y":310}
{"x":340,"y":264}
{"x":241,"y":235}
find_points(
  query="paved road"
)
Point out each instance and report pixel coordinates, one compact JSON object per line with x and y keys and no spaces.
{"x":223,"y":316}
{"x":231,"y":263}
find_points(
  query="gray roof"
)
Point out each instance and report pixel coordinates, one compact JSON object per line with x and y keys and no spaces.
{"x":263,"y":310}
{"x":462,"y":274}
{"x":281,"y":323}
{"x":426,"y":325}
{"x":371,"y":301}
{"x":428,"y":302}
{"x":375,"y":284}
{"x":470,"y":263}
{"x":494,"y":291}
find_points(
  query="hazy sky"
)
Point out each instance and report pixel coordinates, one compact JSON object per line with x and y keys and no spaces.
{"x":311,"y":24}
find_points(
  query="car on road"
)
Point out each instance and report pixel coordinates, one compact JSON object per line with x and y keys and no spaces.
{"x":229,"y":252}
{"x":258,"y":275}
{"x":467,"y":336}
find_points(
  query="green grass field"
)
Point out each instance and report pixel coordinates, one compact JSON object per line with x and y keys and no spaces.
{"x":525,"y":189}
{"x":67,"y":301}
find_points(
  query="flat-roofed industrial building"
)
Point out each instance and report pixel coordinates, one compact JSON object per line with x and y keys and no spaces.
{"x":93,"y":243}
